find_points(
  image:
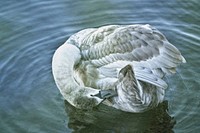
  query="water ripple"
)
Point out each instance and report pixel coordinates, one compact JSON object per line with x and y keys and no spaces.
{"x":33,"y":30}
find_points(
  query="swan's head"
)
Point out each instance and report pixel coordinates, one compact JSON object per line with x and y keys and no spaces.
{"x":86,"y":102}
{"x":83,"y":98}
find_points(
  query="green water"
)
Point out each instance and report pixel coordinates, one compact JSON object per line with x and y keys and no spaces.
{"x":32,"y":30}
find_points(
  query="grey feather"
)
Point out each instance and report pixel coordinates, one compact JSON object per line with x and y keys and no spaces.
{"x":100,"y":54}
{"x":146,"y":75}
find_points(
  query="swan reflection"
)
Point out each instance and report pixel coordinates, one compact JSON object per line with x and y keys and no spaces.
{"x":104,"y":119}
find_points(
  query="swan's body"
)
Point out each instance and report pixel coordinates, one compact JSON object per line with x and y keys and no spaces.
{"x":130,"y":60}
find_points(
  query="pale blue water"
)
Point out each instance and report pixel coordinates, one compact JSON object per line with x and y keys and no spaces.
{"x":30,"y":32}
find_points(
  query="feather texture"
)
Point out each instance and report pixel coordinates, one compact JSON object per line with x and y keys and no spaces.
{"x":103,"y":52}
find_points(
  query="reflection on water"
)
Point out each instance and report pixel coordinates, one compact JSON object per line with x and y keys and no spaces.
{"x":106,"y":119}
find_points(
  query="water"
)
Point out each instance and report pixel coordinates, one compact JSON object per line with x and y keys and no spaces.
{"x":32,"y":30}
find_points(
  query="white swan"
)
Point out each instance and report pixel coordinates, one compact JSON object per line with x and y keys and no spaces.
{"x":118,"y":65}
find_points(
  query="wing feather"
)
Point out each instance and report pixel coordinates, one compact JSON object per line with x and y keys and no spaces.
{"x":139,"y":45}
{"x":146,"y":75}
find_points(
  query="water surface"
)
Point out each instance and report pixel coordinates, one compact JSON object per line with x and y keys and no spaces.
{"x":32,"y":30}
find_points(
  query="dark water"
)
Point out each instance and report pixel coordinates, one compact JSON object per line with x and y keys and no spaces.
{"x":30,"y":32}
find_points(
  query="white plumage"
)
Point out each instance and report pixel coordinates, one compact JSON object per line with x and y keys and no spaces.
{"x":129,"y":60}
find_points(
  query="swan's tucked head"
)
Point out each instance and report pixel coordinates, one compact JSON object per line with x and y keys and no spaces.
{"x":84,"y":98}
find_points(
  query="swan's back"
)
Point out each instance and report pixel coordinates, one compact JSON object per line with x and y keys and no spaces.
{"x":106,"y":50}
{"x":110,"y":48}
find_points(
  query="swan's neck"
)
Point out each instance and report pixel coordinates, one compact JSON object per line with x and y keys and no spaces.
{"x":65,"y":58}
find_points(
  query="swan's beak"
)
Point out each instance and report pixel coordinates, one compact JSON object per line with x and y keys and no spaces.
{"x":105,"y":94}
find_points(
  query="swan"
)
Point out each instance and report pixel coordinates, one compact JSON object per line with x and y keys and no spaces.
{"x":121,"y":66}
